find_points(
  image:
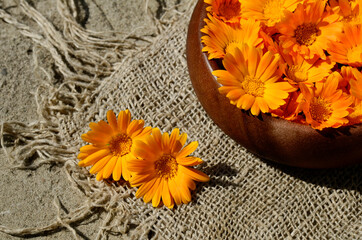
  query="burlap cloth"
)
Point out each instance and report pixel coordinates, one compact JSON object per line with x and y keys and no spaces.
{"x":247,"y":198}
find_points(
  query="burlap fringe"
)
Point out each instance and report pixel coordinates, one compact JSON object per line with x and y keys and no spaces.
{"x":83,"y":58}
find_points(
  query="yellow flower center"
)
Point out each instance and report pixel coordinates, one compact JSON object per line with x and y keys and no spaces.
{"x":320,"y":110}
{"x":231,"y":46}
{"x":273,"y":11}
{"x":166,"y":166}
{"x":296,"y":74}
{"x":306,"y":34}
{"x":120,"y":144}
{"x":253,"y":86}
{"x":229,"y":9}
{"x":354,"y":54}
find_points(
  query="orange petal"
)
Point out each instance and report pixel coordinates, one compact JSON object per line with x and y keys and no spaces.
{"x":101,"y":126}
{"x":156,"y":133}
{"x":174,"y":135}
{"x":145,"y":132}
{"x":133,"y":126}
{"x":124,"y":118}
{"x":194,"y":174}
{"x":174,"y":191}
{"x":82,"y":156}
{"x":88,"y":149}
{"x":184,"y":190}
{"x":145,"y":188}
{"x":150,"y":193}
{"x":99,"y":176}
{"x":157,"y":197}
{"x":117,"y":171}
{"x":112,"y":120}
{"x":165,"y":142}
{"x":137,"y":180}
{"x":189,"y":182}
{"x":100,"y":164}
{"x":189,"y":161}
{"x":95,"y":157}
{"x":166,"y":195}
{"x":190,"y":148}
{"x":108,"y":169}
{"x":125,"y":172}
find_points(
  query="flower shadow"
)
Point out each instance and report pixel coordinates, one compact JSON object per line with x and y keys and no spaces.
{"x":220,"y":169}
{"x":221,"y":174}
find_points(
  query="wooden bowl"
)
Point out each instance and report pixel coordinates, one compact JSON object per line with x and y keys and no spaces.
{"x":270,"y":138}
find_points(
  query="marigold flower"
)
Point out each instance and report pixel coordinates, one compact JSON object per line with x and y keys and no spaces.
{"x":250,"y":80}
{"x":350,"y":81}
{"x":348,"y":48}
{"x":221,"y":38}
{"x":346,"y":75}
{"x":163,"y":168}
{"x":350,"y":10}
{"x":269,"y":12}
{"x":355,"y":117}
{"x":228,"y":11}
{"x":112,"y":145}
{"x":290,"y":110}
{"x":325,"y":106}
{"x":298,"y":70}
{"x":356,"y":84}
{"x":309,"y":29}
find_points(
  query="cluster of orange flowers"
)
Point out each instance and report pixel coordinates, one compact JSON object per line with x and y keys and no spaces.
{"x":299,"y":60}
{"x":156,"y":163}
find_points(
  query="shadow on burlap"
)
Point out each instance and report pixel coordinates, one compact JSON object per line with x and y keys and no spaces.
{"x":246,"y":198}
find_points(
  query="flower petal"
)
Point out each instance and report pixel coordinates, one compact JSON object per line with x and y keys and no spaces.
{"x":108,"y":169}
{"x":100,"y":164}
{"x":190,"y":148}
{"x":117,"y":171}
{"x":166,"y":195}
{"x":112,"y":120}
{"x":194,"y":174}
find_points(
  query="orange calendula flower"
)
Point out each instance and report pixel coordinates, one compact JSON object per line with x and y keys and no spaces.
{"x":355,"y":117}
{"x":326,"y":106}
{"x":298,"y":70}
{"x":309,"y":29}
{"x":163,"y":169}
{"x":350,"y":10}
{"x":221,"y":38}
{"x":228,"y":11}
{"x":346,"y":75}
{"x":112,"y":145}
{"x":290,"y":110}
{"x":356,"y":85}
{"x":250,"y":80}
{"x":269,"y":12}
{"x":348,"y":48}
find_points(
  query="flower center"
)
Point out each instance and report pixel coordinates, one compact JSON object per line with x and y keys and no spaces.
{"x":354,"y":54}
{"x":296,"y":74}
{"x":273,"y":11}
{"x":166,"y":166}
{"x":306,"y":34}
{"x":253,"y":86}
{"x":320,"y":110}
{"x":120,"y":144}
{"x":231,"y":46}
{"x":229,"y":9}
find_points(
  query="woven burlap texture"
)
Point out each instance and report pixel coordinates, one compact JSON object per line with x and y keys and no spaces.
{"x":246,"y":198}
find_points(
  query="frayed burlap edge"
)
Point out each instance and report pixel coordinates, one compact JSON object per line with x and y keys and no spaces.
{"x":84,"y":58}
